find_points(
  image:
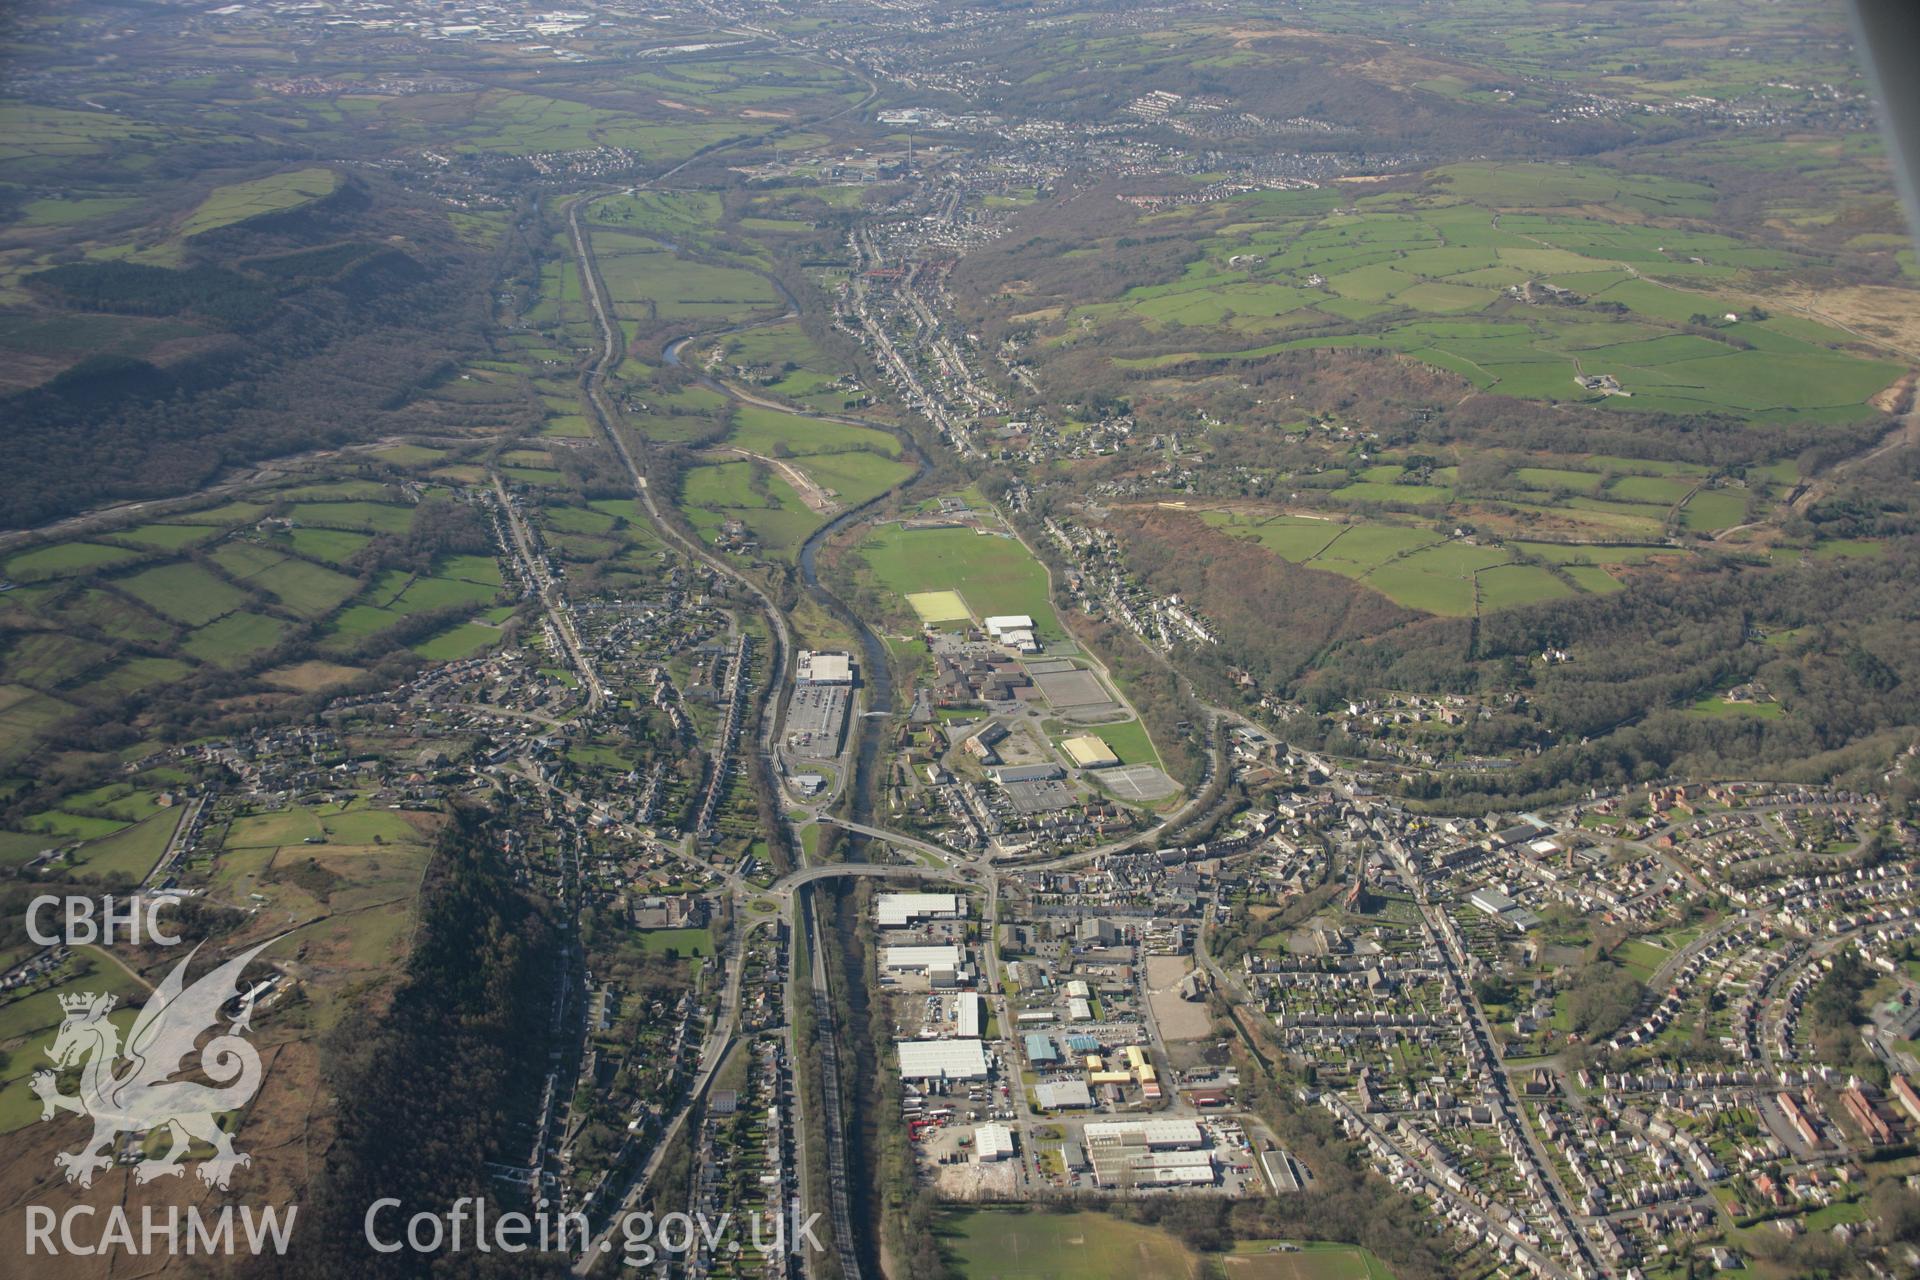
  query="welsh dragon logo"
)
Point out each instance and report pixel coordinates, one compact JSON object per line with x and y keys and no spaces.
{"x":129,"y":1089}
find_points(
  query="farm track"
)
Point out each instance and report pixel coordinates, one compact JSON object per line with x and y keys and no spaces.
{"x":803,"y":484}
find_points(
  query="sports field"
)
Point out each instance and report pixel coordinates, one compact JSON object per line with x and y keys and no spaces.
{"x":988,"y":1244}
{"x":1259,"y":1260}
{"x":939,"y":606}
{"x":990,"y":574}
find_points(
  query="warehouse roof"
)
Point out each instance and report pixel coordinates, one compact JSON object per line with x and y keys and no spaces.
{"x":1090,"y":752}
{"x":893,"y":910}
{"x":1057,"y":1095}
{"x":1155,"y":1133}
{"x":944,"y":955}
{"x":972,"y":1014}
{"x":992,"y":1142}
{"x":823,"y":668}
{"x":942,"y":1059}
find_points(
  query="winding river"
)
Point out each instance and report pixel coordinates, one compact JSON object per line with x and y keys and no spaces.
{"x":876,"y":673}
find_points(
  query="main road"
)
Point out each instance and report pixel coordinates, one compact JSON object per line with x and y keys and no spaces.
{"x":559,"y":616}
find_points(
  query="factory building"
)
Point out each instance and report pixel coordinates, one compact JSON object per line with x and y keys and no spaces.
{"x":899,"y":910}
{"x":942,"y":1059}
{"x":823,"y":668}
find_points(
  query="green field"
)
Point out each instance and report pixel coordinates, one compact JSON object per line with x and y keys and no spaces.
{"x":851,"y":463}
{"x":759,"y":430}
{"x":991,"y":1244}
{"x":28,"y":1021}
{"x":462,"y":641}
{"x":1430,"y":273}
{"x":784,"y":362}
{"x":184,"y":592}
{"x":295,"y":826}
{"x":687,"y":942}
{"x":1419,"y":568}
{"x":711,"y":495}
{"x":162,"y":537}
{"x":1293,"y":538}
{"x":307,"y":589}
{"x":1129,"y":741}
{"x":1711,"y":510}
{"x":63,"y":559}
{"x":994,"y":575}
{"x":46,"y":659}
{"x":853,"y":478}
{"x":335,"y":546}
{"x":1640,"y":958}
{"x":132,"y":852}
{"x":235,"y":638}
{"x":1262,"y":1260}
{"x":242,"y":200}
{"x":1719,"y":708}
{"x":377,"y":517}
{"x":648,"y":282}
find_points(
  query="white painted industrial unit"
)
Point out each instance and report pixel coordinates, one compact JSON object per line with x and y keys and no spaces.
{"x":945,"y":955}
{"x":823,"y":668}
{"x":942,"y":1059}
{"x":992,"y":1142}
{"x":972,"y":1016}
{"x":1159,"y":1135}
{"x":898,"y":910}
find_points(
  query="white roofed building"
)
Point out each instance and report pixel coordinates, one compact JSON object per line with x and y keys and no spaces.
{"x":898,"y":910}
{"x":920,"y":959}
{"x":942,"y":1059}
{"x":823,"y":668}
{"x":992,"y":1142}
{"x":972,"y":1015}
{"x":1159,"y":1135}
{"x":1147,"y":1153}
{"x":1060,"y":1095}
